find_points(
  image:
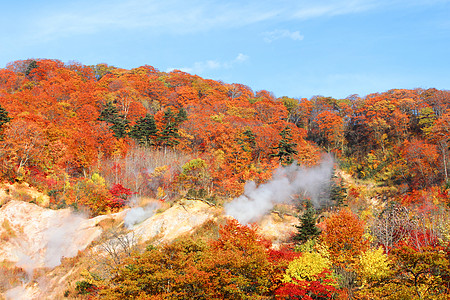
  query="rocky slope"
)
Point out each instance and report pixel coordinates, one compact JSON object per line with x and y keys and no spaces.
{"x":40,"y":241}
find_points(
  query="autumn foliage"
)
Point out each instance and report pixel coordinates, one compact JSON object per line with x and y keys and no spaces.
{"x":235,"y":266}
{"x":68,"y":121}
{"x":74,"y":119}
{"x":93,"y":137}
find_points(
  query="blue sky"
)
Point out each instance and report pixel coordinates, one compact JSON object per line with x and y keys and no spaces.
{"x":293,"y":48}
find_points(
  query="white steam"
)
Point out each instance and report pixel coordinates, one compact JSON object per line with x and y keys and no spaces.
{"x":286,"y":181}
{"x":27,"y":263}
{"x":61,"y":237}
{"x":137,"y":215}
{"x":17,"y":293}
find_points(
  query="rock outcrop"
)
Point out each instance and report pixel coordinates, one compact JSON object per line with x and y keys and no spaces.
{"x":35,"y":238}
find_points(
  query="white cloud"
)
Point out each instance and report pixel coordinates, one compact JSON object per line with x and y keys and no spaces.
{"x":157,"y":17}
{"x":178,"y":17}
{"x":241,"y":58}
{"x":333,"y":8}
{"x":209,"y":65}
{"x":303,"y":10}
{"x":282,"y":34}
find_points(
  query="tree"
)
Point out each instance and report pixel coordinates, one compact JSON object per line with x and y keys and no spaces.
{"x":391,"y":226}
{"x":118,"y":245}
{"x":331,"y":130}
{"x":427,"y":117}
{"x":101,"y":70}
{"x":169,"y":135}
{"x":4,"y":118}
{"x":307,"y":228}
{"x":343,"y":235}
{"x":374,"y":265}
{"x":181,"y":116}
{"x":321,"y":288}
{"x":235,"y":266}
{"x":24,"y":144}
{"x":338,"y":192}
{"x":195,"y":178}
{"x":422,"y":270}
{"x":239,"y":264}
{"x":145,"y":131}
{"x":167,"y":272}
{"x":32,"y":65}
{"x":421,"y":160}
{"x":440,"y":135}
{"x":120,"y":193}
{"x":308,"y":277}
{"x":286,"y":148}
{"x":119,"y":124}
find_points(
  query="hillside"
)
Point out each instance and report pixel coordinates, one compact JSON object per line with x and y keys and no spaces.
{"x":106,"y":171}
{"x":50,"y":248}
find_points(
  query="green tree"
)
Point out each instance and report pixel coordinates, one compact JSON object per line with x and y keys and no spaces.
{"x":338,"y":192}
{"x":247,"y":141}
{"x":4,"y":118}
{"x":31,"y":66}
{"x":195,"y":178}
{"x":169,"y":134}
{"x":110,"y":114}
{"x":145,"y":130}
{"x":307,"y":228}
{"x":181,"y":116}
{"x":286,"y":148}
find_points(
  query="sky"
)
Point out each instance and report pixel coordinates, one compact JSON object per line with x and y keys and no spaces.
{"x":294,"y":48}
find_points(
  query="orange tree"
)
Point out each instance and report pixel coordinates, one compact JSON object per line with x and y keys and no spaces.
{"x":239,"y":264}
{"x":343,"y":236}
{"x":235,"y":266}
{"x":169,"y":271}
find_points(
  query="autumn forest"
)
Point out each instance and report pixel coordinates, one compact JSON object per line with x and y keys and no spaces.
{"x":93,"y":138}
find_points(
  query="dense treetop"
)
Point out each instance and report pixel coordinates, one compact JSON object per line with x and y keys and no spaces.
{"x":93,"y":136}
{"x":62,"y":123}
